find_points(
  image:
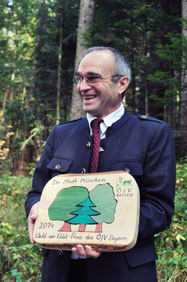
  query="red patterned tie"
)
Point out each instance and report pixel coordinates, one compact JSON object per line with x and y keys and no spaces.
{"x":96,"y":144}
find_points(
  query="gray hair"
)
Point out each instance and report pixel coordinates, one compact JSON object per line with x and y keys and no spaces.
{"x":121,"y":65}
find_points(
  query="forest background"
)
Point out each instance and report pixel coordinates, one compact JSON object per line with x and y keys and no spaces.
{"x":41,"y":43}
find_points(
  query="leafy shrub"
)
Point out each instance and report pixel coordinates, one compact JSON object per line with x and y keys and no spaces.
{"x":171,"y":244}
{"x":20,"y":261}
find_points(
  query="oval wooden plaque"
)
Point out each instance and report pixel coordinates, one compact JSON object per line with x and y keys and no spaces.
{"x":96,"y":209}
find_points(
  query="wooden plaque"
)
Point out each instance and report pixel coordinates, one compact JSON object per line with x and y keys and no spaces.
{"x":96,"y":209}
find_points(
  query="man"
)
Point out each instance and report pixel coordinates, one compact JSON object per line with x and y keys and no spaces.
{"x":141,"y":145}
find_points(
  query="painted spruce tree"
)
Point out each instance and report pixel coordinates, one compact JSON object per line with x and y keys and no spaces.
{"x":83,"y":215}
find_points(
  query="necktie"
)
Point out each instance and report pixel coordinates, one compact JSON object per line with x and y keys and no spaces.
{"x":96,"y":144}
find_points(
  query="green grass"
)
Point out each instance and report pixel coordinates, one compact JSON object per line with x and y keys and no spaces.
{"x":20,"y":261}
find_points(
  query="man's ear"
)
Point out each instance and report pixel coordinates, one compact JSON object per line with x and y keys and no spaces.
{"x":123,"y":84}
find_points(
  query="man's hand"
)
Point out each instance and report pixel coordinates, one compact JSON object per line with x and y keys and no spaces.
{"x":85,"y":251}
{"x":31,"y":221}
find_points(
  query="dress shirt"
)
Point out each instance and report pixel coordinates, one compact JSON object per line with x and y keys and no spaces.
{"x":107,"y":121}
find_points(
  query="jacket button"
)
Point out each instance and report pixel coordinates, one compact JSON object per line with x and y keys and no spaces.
{"x":57,"y":166}
{"x":88,"y":145}
{"x":83,"y":170}
{"x":60,"y":252}
{"x":127,"y":169}
{"x":144,"y":116}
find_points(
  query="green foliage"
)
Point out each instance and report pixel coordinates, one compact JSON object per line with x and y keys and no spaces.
{"x":138,"y":29}
{"x":171,"y":244}
{"x":29,"y":49}
{"x":17,"y":30}
{"x":20,"y":261}
{"x":169,"y":76}
{"x":147,"y":32}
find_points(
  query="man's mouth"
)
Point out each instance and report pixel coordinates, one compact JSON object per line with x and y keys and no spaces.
{"x":89,"y":97}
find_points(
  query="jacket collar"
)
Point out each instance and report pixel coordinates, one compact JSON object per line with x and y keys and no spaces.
{"x":118,"y":124}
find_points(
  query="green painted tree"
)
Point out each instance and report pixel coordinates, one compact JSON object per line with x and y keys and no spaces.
{"x":66,"y":202}
{"x":103,"y":197}
{"x":83,"y":215}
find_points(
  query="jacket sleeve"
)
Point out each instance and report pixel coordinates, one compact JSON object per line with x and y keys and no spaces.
{"x":158,"y":184}
{"x":41,"y":174}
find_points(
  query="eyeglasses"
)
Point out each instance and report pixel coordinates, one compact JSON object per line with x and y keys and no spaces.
{"x":92,"y":79}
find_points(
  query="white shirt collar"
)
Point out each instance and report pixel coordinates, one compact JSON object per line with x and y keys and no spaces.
{"x":108,"y":120}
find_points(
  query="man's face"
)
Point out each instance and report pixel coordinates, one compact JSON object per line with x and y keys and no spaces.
{"x":104,"y":97}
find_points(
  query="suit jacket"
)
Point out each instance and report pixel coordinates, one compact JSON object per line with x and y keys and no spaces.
{"x":141,"y":145}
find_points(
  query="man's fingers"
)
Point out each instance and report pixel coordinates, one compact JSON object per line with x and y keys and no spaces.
{"x":31,"y":221}
{"x":86,"y":251}
{"x":79,"y":250}
{"x":91,"y":253}
{"x":30,"y":230}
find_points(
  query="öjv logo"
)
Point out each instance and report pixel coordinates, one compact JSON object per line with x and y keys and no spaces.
{"x":120,"y":183}
{"x":124,"y":187}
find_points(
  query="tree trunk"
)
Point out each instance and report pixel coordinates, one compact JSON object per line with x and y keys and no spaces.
{"x":65,"y":228}
{"x":82,"y":227}
{"x":146,"y":98}
{"x":86,"y":15}
{"x":183,"y":116}
{"x":4,"y":103}
{"x":145,"y":70}
{"x":182,"y":132}
{"x":99,"y":228}
{"x":59,"y":73}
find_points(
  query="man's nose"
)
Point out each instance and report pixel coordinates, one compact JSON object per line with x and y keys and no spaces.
{"x":83,"y":85}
